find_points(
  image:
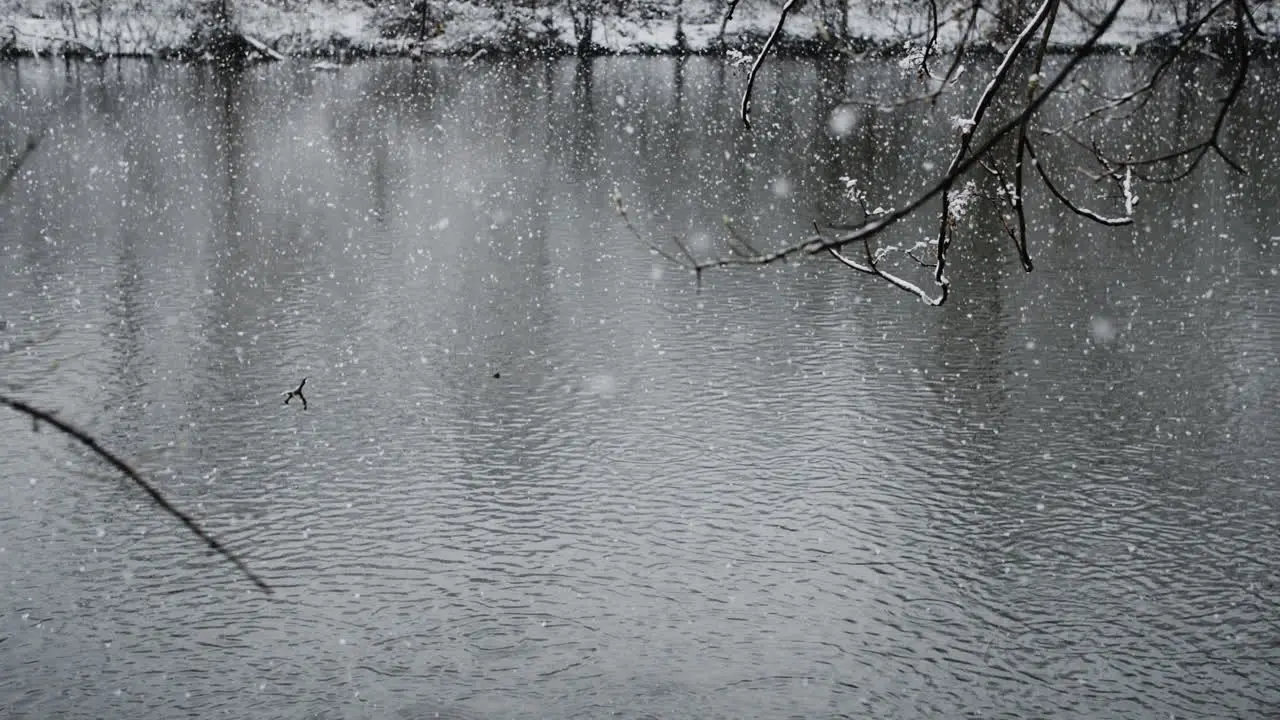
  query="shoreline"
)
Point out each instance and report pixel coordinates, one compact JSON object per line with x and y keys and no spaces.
{"x":349,"y":29}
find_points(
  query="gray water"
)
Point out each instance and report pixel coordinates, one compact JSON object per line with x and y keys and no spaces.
{"x":543,"y":474}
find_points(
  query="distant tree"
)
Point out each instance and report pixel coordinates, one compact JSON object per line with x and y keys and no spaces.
{"x":833,"y":19}
{"x":214,"y":26}
{"x":1006,"y":133}
{"x":585,"y":13}
{"x":681,"y":40}
{"x":418,"y":20}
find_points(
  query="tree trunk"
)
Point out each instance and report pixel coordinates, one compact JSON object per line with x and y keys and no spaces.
{"x":584,"y":26}
{"x":680,"y":38}
{"x":215,"y":34}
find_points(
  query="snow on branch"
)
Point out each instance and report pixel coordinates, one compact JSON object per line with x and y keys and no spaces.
{"x":1024,"y":59}
{"x":1130,"y":201}
{"x":755,"y":66}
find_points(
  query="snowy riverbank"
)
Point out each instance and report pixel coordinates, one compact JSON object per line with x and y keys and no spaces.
{"x":354,"y":27}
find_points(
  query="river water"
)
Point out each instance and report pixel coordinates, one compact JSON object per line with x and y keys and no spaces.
{"x":544,"y":473}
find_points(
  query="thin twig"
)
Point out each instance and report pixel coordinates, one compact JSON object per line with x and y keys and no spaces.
{"x":741,"y":239}
{"x":156,"y":496}
{"x":971,"y":126}
{"x":1018,"y":201}
{"x":626,"y":219}
{"x":684,"y":249}
{"x":1053,"y":189}
{"x":962,"y":45}
{"x":724,"y":20}
{"x":931,"y":42}
{"x":755,"y":66}
{"x":871,"y":268}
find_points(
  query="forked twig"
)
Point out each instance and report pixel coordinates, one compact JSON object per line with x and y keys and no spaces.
{"x":1053,"y":189}
{"x":872,"y":268}
{"x":626,"y":219}
{"x":297,"y":394}
{"x":1002,"y":73}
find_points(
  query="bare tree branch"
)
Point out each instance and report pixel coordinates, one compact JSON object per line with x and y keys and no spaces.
{"x":755,"y":66}
{"x":1124,"y":172}
{"x":880,"y":224}
{"x":871,"y":268}
{"x":1145,"y":92}
{"x":970,"y":127}
{"x":1018,"y":199}
{"x":724,"y":19}
{"x":1084,"y":212}
{"x":37,"y":415}
{"x":1190,"y":157}
{"x":963,"y":163}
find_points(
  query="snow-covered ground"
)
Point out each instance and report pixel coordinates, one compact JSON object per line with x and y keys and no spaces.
{"x":295,"y":27}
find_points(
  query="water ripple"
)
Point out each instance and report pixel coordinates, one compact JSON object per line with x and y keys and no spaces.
{"x":539,"y":476}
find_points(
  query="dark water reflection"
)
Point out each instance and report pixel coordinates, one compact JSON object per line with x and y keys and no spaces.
{"x":793,"y":494}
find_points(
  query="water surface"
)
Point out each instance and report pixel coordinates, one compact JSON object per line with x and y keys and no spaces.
{"x":542,"y":474}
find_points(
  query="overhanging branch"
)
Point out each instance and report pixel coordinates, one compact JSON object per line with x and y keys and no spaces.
{"x":37,"y":415}
{"x":755,"y":66}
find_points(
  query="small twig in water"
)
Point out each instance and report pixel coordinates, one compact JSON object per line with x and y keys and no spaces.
{"x":298,"y":394}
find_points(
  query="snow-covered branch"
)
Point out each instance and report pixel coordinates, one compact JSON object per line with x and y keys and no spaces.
{"x":755,"y":66}
{"x":1024,"y":60}
{"x":969,"y":153}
